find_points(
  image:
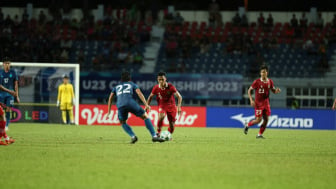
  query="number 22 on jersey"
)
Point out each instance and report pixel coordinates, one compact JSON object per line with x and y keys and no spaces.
{"x":124,"y":88}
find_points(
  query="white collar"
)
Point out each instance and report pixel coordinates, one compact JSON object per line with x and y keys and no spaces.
{"x":263,"y":80}
{"x":164,"y":86}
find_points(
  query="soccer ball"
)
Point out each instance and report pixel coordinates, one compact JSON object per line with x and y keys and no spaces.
{"x":166,"y":135}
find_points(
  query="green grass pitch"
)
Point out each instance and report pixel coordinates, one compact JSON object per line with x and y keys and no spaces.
{"x":98,"y":157}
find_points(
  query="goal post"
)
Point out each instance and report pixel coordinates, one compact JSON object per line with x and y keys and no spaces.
{"x":38,"y":86}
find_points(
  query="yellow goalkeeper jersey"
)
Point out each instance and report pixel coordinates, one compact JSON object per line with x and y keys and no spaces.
{"x":65,"y":93}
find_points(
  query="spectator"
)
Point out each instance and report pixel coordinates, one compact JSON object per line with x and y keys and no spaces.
{"x":303,"y":21}
{"x":42,"y":18}
{"x":244,"y":21}
{"x":212,"y":20}
{"x":261,"y":20}
{"x":178,"y":19}
{"x":294,"y":21}
{"x":204,"y":45}
{"x":168,"y":17}
{"x":295,"y":104}
{"x":319,"y":21}
{"x":236,"y":20}
{"x":214,"y":8}
{"x":25,"y":16}
{"x":309,"y":47}
{"x":333,"y":22}
{"x":269,"y":20}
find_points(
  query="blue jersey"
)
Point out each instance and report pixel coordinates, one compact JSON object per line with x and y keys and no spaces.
{"x":125,"y":93}
{"x":125,"y":100}
{"x":7,"y":79}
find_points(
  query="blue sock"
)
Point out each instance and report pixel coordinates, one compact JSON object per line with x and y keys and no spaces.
{"x":7,"y":118}
{"x":150,"y":127}
{"x":128,"y":129}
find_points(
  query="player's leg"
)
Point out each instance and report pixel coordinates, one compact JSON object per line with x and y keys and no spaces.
{"x":257,"y":120}
{"x":64,"y":113}
{"x":139,"y":112}
{"x":171,"y":115}
{"x":123,"y":116}
{"x":3,"y":130}
{"x":162,"y":115}
{"x":70,"y":111}
{"x":2,"y":126}
{"x":9,"y":101}
{"x":263,"y":126}
{"x":265,"y":114}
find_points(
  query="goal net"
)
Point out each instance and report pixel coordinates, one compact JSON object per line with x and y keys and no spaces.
{"x":38,"y":88}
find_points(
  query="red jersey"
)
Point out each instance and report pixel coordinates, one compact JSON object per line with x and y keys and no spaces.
{"x":262,"y":90}
{"x":165,"y":96}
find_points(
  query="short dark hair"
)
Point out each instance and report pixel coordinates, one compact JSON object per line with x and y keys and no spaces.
{"x":161,"y":74}
{"x":125,"y":76}
{"x":263,"y":67}
{"x":6,"y":59}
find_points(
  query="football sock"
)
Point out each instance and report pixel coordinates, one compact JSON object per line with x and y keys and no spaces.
{"x":64,"y":116}
{"x":159,"y":125}
{"x":171,"y":129}
{"x":261,"y":130}
{"x":71,"y":116}
{"x":2,"y":129}
{"x":128,"y":129}
{"x":250,"y":123}
{"x":149,"y":126}
{"x":7,"y":118}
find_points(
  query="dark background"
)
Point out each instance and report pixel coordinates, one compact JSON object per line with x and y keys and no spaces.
{"x":226,"y":5}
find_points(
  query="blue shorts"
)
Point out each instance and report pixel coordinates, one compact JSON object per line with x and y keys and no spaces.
{"x":133,"y":108}
{"x":8,"y":100}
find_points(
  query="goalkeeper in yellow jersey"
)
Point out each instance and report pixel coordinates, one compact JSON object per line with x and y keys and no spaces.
{"x":66,"y":99}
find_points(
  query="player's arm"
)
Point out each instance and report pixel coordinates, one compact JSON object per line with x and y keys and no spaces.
{"x":16,"y":87}
{"x":276,"y":90}
{"x":59,"y":95}
{"x":179,"y":102}
{"x":334,"y":105}
{"x":142,"y":98}
{"x":149,"y":99}
{"x":249,"y":92}
{"x":73,"y":96}
{"x":109,"y":103}
{"x":13,"y":93}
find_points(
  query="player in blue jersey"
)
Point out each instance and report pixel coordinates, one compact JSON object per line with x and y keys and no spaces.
{"x":9,"y":79}
{"x":126,"y":104}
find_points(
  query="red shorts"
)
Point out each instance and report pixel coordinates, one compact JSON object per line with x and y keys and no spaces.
{"x":169,"y":111}
{"x":262,"y":111}
{"x":1,"y":111}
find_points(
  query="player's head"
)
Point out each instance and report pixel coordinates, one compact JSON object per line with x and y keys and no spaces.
{"x":65,"y":78}
{"x":161,"y":78}
{"x":125,"y":76}
{"x":6,"y":63}
{"x":263,"y":71}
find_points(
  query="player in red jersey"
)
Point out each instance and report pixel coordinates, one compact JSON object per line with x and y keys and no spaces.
{"x":3,"y":133}
{"x":261,"y":104}
{"x":165,"y":95}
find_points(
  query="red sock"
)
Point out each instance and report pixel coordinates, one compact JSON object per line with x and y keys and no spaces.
{"x":159,"y":125}
{"x":2,"y":129}
{"x":250,"y":124}
{"x":171,"y":129}
{"x":262,"y":129}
